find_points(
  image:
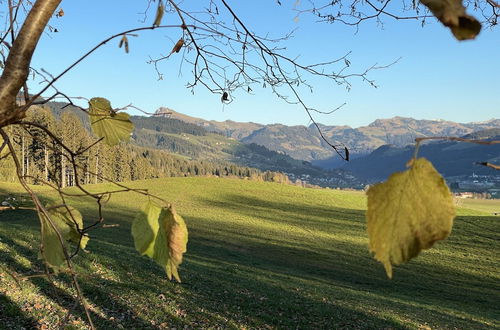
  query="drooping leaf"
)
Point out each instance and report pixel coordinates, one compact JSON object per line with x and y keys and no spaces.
{"x":52,"y":250}
{"x":145,"y":228}
{"x":408,"y":213}
{"x":161,"y":234}
{"x":452,"y":14}
{"x":159,"y":14}
{"x":113,"y":127}
{"x":68,"y":222}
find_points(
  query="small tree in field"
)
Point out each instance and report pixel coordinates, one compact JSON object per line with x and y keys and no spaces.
{"x":224,"y":56}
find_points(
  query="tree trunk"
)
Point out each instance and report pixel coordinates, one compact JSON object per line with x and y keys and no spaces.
{"x":63,"y":169}
{"x":16,"y":67}
{"x":23,"y":161}
{"x":96,"y":176}
{"x":46,"y":165}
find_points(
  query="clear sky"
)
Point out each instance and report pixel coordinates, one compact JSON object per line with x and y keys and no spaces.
{"x":436,"y":77}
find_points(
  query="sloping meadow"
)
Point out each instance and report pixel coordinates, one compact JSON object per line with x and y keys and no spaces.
{"x":260,"y":255}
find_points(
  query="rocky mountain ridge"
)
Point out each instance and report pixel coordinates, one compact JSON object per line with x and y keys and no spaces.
{"x":304,"y":143}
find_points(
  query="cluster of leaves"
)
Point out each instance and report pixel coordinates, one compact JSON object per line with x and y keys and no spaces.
{"x":158,"y":232}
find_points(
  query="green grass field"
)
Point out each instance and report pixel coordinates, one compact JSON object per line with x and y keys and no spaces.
{"x":489,"y":206}
{"x":260,"y":255}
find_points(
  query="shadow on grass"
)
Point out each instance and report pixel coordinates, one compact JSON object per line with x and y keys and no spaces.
{"x":12,"y":317}
{"x":60,"y":296}
{"x":432,"y":284}
{"x":235,"y":276}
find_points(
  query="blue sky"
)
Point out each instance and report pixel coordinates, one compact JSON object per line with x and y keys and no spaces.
{"x":436,"y":76}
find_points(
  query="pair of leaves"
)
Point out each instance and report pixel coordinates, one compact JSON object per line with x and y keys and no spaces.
{"x":452,"y":14}
{"x":108,"y":124}
{"x":161,"y":234}
{"x":69,"y":223}
{"x":408,"y":213}
{"x":124,"y":42}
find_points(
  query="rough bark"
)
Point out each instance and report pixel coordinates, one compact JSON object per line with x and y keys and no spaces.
{"x":17,"y":65}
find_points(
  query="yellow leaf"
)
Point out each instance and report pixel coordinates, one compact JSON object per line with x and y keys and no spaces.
{"x":408,"y":213}
{"x":124,"y":40}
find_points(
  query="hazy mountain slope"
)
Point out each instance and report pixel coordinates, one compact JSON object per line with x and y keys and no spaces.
{"x":449,"y":158}
{"x":299,"y":142}
{"x":397,"y":131}
{"x":228,"y":128}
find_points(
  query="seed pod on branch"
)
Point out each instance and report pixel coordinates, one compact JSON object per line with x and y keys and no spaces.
{"x":178,"y":46}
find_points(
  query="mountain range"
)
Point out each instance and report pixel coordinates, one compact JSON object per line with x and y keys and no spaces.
{"x":304,"y":142}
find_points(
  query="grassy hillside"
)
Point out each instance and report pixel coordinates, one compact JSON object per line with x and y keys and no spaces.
{"x":194,"y":142}
{"x":260,"y":255}
{"x":489,"y":206}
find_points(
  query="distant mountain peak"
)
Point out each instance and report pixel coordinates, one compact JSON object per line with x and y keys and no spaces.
{"x":164,"y":112}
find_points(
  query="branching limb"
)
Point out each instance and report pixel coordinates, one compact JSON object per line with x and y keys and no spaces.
{"x":493,"y":166}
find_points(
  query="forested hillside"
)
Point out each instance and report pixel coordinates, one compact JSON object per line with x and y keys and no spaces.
{"x":41,"y":161}
{"x":193,"y":141}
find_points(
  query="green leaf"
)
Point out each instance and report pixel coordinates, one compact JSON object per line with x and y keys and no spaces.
{"x":68,"y":222}
{"x":161,"y":234}
{"x":452,"y":14}
{"x":52,"y":250}
{"x":407,"y":213}
{"x":107,"y":124}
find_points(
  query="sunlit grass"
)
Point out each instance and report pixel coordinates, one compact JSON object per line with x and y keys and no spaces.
{"x":489,"y":206}
{"x":260,"y":255}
